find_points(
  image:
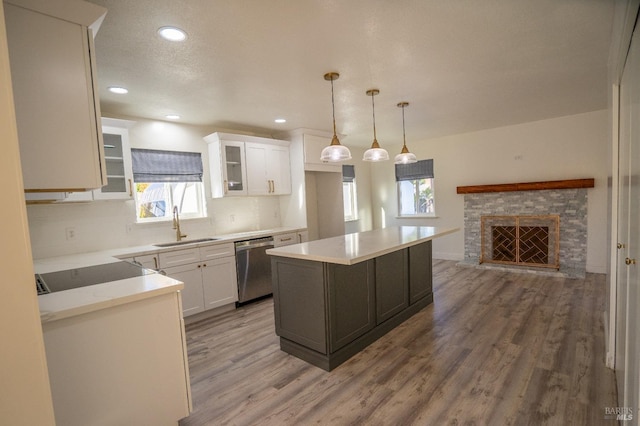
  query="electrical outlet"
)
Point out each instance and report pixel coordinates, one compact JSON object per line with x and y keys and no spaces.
{"x":232,"y":218}
{"x":70,"y":233}
{"x":129,"y":227}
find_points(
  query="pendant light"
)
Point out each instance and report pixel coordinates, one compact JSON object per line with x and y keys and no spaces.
{"x":405,"y":157}
{"x":334,"y":152}
{"x":375,"y":153}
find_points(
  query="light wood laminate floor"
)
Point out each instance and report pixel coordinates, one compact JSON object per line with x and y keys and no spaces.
{"x":495,"y":348}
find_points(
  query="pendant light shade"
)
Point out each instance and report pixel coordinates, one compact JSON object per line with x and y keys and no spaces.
{"x":334,"y":152}
{"x":375,"y":153}
{"x":405,"y":157}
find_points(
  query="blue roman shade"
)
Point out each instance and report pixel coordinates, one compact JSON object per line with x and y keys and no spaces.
{"x":150,"y":165}
{"x":423,"y":169}
{"x":348,"y":173}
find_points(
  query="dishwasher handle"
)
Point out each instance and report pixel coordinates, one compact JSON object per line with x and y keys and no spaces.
{"x":251,"y":244}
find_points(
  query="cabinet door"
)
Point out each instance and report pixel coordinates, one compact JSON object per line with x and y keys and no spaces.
{"x":60,"y":142}
{"x":392,"y":292}
{"x":278,"y":170}
{"x":117,"y":152}
{"x":219,"y":282}
{"x":234,"y":173}
{"x":192,"y":295}
{"x":352,"y":309}
{"x":258,"y":183}
{"x":299,"y":302}
{"x":420,"y":279}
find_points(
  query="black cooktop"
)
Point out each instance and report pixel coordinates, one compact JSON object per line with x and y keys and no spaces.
{"x":73,"y":278}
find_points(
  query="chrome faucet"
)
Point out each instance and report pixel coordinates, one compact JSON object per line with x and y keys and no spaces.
{"x":176,"y":224}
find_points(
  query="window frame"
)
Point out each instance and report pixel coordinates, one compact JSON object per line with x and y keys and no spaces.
{"x":349,"y":184}
{"x":415,"y":173}
{"x":416,"y":183}
{"x":173,"y":174}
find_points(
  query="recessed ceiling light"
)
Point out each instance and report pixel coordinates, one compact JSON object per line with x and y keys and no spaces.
{"x":172,"y":33}
{"x":280,"y":120}
{"x":118,"y":90}
{"x":172,"y":116}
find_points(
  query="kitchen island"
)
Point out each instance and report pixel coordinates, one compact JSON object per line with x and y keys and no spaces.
{"x":334,"y":297}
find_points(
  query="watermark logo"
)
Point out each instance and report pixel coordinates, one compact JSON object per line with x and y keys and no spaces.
{"x":618,"y":413}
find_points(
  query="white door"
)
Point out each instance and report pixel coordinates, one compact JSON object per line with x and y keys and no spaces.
{"x":628,"y":294}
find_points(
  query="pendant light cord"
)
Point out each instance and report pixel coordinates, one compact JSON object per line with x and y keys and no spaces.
{"x":404,"y":137}
{"x":373,"y":107}
{"x":333,"y":109}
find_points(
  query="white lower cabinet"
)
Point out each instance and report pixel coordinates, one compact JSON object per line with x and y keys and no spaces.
{"x":190,"y":275}
{"x":219,"y":282}
{"x":121,"y":365}
{"x":208,"y":274}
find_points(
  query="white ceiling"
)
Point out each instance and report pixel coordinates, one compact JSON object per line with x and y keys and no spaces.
{"x":463,"y":65}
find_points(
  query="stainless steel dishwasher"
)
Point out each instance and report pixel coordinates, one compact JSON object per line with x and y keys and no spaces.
{"x":254,"y":268}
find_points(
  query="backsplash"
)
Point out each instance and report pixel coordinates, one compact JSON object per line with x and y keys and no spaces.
{"x":70,"y":228}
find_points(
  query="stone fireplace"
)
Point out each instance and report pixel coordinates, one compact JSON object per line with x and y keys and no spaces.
{"x":568,"y":205}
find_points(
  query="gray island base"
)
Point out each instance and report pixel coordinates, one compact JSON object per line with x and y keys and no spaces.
{"x":334,"y":297}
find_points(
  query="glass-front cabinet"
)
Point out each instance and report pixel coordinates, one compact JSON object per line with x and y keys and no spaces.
{"x":117,"y":154}
{"x":234,"y":168}
{"x":227,"y":168}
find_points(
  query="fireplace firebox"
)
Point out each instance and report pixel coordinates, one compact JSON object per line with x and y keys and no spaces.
{"x":521,"y":240}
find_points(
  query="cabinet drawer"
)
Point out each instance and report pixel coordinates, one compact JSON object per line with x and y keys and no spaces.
{"x":285,"y":239}
{"x":217,"y":250}
{"x":179,"y":257}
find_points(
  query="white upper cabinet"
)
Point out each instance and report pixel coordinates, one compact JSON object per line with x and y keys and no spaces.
{"x":117,"y":155}
{"x":313,"y":146}
{"x":279,"y":169}
{"x":227,"y":169}
{"x":268,"y":171}
{"x":248,"y":165}
{"x":54,"y":81}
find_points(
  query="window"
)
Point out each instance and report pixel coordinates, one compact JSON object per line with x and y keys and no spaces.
{"x":415,"y":189}
{"x":349,"y":200}
{"x":164,"y":179}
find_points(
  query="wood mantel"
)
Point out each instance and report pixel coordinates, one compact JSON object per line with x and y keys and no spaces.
{"x":527,"y":186}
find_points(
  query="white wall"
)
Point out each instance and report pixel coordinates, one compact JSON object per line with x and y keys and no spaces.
{"x":560,"y":148}
{"x":25,"y":396}
{"x":364,"y":192}
{"x":101,"y":225}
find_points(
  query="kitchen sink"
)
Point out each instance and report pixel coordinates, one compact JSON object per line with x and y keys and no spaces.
{"x":180,"y":243}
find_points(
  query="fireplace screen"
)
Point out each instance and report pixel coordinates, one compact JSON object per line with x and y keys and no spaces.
{"x":521,"y":240}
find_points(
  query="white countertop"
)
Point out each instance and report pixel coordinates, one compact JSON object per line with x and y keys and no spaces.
{"x":360,"y":246}
{"x":68,"y":303}
{"x":81,"y":260}
{"x":77,"y":301}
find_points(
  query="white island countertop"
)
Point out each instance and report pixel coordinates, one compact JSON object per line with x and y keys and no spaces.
{"x":360,"y":246}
